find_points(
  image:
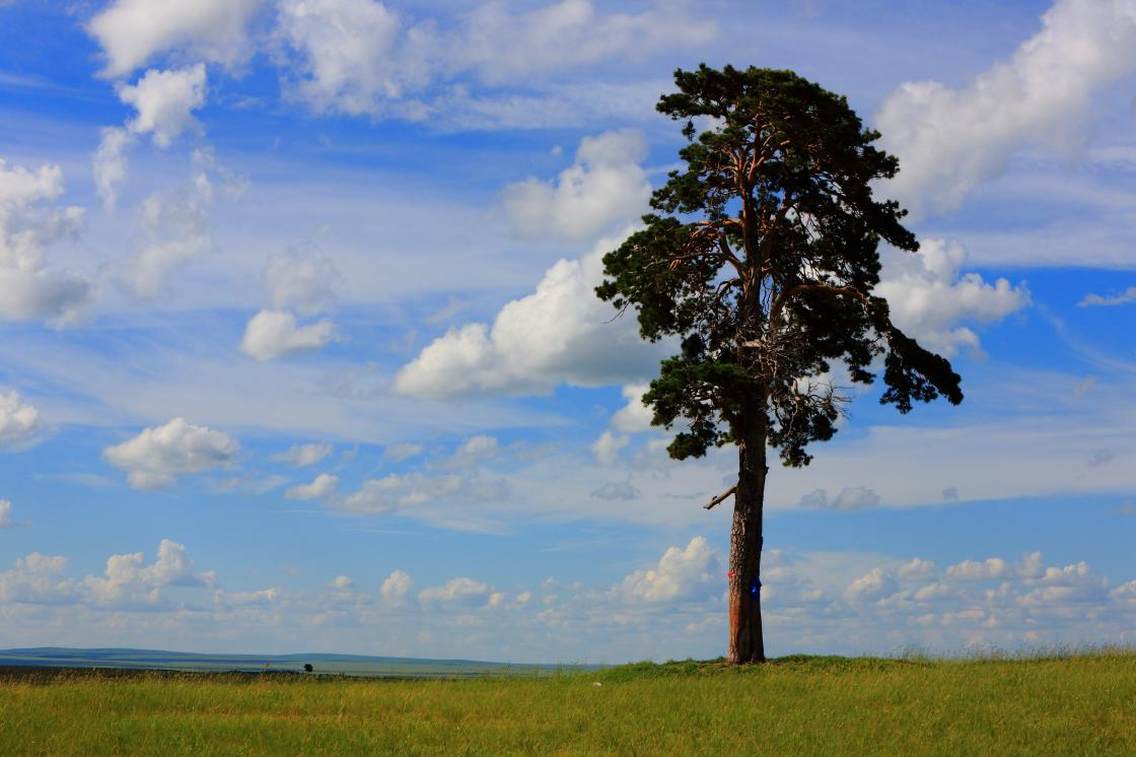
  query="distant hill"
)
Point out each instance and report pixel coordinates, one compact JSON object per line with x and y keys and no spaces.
{"x":335,"y":664}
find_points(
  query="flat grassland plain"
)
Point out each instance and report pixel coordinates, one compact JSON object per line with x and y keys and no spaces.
{"x":798,"y":705}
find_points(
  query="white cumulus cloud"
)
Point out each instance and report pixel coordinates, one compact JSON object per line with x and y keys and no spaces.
{"x":396,"y":587}
{"x":346,"y":52}
{"x":929,"y":297}
{"x":681,"y":573}
{"x":950,"y":140}
{"x":916,"y":568}
{"x":324,"y":485}
{"x":129,"y":579}
{"x":874,"y":585}
{"x":274,"y":333}
{"x":37,"y":579}
{"x":132,"y":32}
{"x":604,"y":188}
{"x":635,"y":416}
{"x":157,"y":456}
{"x":164,"y":102}
{"x":20,"y":421}
{"x":562,"y":333}
{"x":462,"y":590}
{"x":606,"y":448}
{"x":974,"y":570}
{"x":29,"y":287}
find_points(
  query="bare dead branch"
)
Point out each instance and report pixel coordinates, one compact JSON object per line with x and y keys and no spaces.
{"x":723,"y":496}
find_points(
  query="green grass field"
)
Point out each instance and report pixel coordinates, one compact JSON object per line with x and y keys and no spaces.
{"x":1082,"y":705}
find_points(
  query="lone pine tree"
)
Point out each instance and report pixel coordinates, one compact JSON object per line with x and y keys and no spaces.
{"x":760,"y":259}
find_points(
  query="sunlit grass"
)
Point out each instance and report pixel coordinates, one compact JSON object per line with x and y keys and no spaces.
{"x":813,"y":705}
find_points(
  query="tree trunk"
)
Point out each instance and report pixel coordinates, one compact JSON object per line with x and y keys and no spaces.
{"x":746,"y":643}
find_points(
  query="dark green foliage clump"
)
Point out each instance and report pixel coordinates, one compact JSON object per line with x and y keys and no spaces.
{"x":761,"y":257}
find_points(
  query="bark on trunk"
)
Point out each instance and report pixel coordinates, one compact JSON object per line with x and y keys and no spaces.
{"x":746,"y":643}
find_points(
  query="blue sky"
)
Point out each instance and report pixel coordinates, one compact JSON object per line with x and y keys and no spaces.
{"x":299,"y":349}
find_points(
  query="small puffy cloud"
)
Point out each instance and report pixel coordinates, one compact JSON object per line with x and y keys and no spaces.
{"x":462,"y":590}
{"x":1031,"y":566}
{"x":323,"y":486}
{"x":37,"y":579}
{"x":5,"y":513}
{"x":928,"y":297}
{"x":562,"y":333}
{"x":606,"y":448}
{"x":950,"y":140}
{"x":681,"y":573}
{"x":634,"y":416}
{"x":29,"y":223}
{"x":157,"y":456}
{"x":855,"y":498}
{"x":303,"y":279}
{"x":395,"y":588}
{"x":1127,"y":297}
{"x":916,"y":568}
{"x":132,"y":32}
{"x":604,"y":188}
{"x":303,"y":455}
{"x":1070,"y":575}
{"x":57,"y":295}
{"x":164,"y":102}
{"x":933,"y":592}
{"x":341,"y":583}
{"x":616,"y":490}
{"x":874,"y":585}
{"x":815,"y":498}
{"x":129,"y":579}
{"x":274,"y":333}
{"x":973,"y":570}
{"x":345,"y":50}
{"x":1073,"y":584}
{"x":20,"y":422}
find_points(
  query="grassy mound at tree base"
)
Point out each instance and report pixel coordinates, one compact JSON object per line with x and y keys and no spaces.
{"x":810,"y":705}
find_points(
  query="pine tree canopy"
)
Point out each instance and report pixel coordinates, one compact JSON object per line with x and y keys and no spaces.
{"x":760,"y":259}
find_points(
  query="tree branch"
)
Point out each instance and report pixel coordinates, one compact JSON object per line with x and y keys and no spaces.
{"x":723,"y":496}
